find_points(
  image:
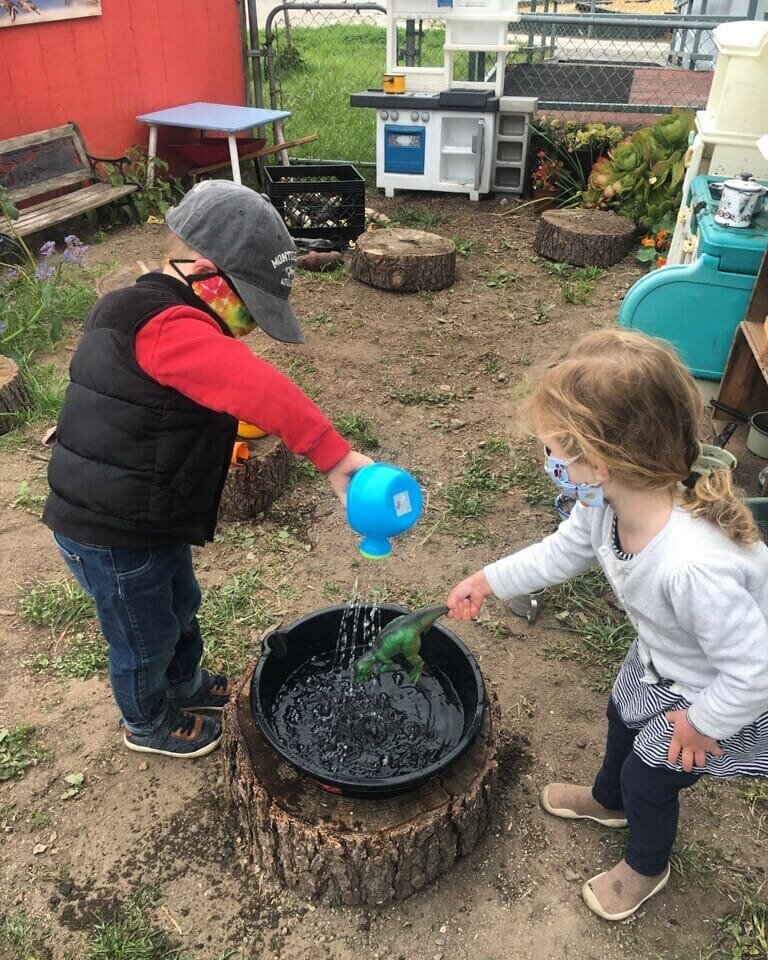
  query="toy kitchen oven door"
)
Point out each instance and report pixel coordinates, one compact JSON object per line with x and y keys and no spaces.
{"x":442,"y":141}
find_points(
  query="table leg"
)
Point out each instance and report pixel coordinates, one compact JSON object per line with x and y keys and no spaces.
{"x":234,"y":158}
{"x":152,"y":153}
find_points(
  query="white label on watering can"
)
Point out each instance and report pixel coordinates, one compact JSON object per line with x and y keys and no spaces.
{"x":402,"y":503}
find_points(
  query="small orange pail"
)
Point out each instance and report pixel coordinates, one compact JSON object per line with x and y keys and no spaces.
{"x":393,"y":83}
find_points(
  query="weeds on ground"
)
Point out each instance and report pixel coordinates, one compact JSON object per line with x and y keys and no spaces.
{"x":425,"y":219}
{"x":233,"y":614}
{"x":58,"y":604}
{"x":358,"y":429}
{"x":498,"y":277}
{"x":23,"y":937}
{"x":601,"y":633}
{"x":86,"y":656}
{"x":25,"y":499}
{"x":323,"y":321}
{"x":302,"y":371}
{"x":576,"y":283}
{"x":465,"y":248}
{"x":429,"y":398}
{"x":755,"y":792}
{"x":19,"y":750}
{"x":743,"y":933}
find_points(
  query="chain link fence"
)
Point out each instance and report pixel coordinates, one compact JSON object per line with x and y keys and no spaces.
{"x":597,"y":57}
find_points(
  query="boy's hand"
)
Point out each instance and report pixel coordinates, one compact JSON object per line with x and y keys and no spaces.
{"x":341,"y":474}
{"x":466,"y":598}
{"x":688,"y":744}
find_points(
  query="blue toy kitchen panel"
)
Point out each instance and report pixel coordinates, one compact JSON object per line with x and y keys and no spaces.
{"x":404,"y":149}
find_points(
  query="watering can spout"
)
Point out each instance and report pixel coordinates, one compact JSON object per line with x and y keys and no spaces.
{"x":383,"y":501}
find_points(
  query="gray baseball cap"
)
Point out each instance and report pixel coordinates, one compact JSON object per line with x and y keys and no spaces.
{"x":242,"y":233}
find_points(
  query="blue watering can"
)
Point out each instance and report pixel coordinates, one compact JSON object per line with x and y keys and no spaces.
{"x":382,"y":502}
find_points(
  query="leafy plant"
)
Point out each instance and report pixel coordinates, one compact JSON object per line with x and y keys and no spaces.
{"x":642,"y":177}
{"x":158,"y":190}
{"x":498,"y":277}
{"x":655,"y":244}
{"x":18,"y":751}
{"x":38,"y":290}
{"x":565,"y":152}
{"x":358,"y":429}
{"x":58,"y":604}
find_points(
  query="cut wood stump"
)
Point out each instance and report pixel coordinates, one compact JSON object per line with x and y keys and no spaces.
{"x":14,"y":395}
{"x":254,"y":485}
{"x":346,"y":850}
{"x":596,"y":238}
{"x":404,"y":260}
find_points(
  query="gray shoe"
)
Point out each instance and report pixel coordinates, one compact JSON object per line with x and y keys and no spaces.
{"x":181,"y":735}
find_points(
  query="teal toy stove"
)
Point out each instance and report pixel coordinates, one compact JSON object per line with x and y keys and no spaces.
{"x":697,"y":306}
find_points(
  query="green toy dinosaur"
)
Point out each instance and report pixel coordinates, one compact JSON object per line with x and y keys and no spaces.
{"x":401,"y":637}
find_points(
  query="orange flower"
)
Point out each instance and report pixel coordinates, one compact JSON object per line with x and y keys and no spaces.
{"x":661,"y":261}
{"x":647,"y":242}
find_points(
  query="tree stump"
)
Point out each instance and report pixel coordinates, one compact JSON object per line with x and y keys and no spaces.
{"x":405,"y":260}
{"x":14,"y":395}
{"x":596,"y":238}
{"x":253,"y":486}
{"x":346,"y":850}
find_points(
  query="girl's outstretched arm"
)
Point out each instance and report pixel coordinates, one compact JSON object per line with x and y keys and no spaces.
{"x":466,"y":598}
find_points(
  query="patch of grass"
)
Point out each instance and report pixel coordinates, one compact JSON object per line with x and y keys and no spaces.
{"x":58,"y":604}
{"x":23,"y":937}
{"x":576,"y":283}
{"x":132,"y":935}
{"x":322,"y":321}
{"x":600,"y":630}
{"x":301,"y":371}
{"x":498,"y":277}
{"x":39,"y":819}
{"x":239,"y":534}
{"x":542,"y":313}
{"x":755,"y":792}
{"x":26,"y":500}
{"x":527,"y":475}
{"x":495,"y":445}
{"x":466,"y":248}
{"x":491,"y":362}
{"x":19,"y":750}
{"x":743,"y":933}
{"x":424,"y":219}
{"x":45,"y":387}
{"x":429,"y":398}
{"x":233,"y":614}
{"x":467,"y":498}
{"x":86,"y":656}
{"x":358,"y":429}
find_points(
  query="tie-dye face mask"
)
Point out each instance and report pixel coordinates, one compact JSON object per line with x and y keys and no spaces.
{"x":217,"y":293}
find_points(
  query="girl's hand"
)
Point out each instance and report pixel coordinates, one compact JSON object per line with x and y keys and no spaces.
{"x":688,"y":744}
{"x":466,"y":598}
{"x":341,"y":474}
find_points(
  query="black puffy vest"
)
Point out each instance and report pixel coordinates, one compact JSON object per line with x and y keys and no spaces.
{"x":135,"y":463}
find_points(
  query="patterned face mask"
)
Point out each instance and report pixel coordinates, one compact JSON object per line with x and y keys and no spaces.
{"x":216,"y":292}
{"x":556,"y":469}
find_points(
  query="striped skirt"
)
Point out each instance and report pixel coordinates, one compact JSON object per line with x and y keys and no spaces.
{"x":642,"y":707}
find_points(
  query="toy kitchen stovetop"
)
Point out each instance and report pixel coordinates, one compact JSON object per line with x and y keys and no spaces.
{"x":433,"y":141}
{"x":696,"y":305}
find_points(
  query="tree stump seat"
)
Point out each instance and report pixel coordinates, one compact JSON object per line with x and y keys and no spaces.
{"x":584,"y":237}
{"x":253,"y":486}
{"x":338,"y":849}
{"x":14,"y":396}
{"x":404,"y":260}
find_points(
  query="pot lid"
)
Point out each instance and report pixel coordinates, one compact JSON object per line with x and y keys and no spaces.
{"x":744,"y":183}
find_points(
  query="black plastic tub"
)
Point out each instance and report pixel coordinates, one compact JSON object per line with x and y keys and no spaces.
{"x":450,"y":669}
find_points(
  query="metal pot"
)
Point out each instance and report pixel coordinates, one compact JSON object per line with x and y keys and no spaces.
{"x":757,"y":438}
{"x":740,"y":201}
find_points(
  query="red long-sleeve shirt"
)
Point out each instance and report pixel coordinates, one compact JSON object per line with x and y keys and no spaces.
{"x":183,"y":348}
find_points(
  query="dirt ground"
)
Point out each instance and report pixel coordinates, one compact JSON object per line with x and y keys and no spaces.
{"x":464,"y":354}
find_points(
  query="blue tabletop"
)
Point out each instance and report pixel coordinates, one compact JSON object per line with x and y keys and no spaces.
{"x":213,"y":116}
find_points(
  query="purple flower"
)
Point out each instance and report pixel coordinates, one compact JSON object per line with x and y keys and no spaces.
{"x":48,"y":248}
{"x":44,"y":271}
{"x":3,"y":327}
{"x":75,"y":250}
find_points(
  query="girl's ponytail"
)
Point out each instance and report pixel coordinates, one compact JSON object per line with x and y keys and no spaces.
{"x":709,"y":493}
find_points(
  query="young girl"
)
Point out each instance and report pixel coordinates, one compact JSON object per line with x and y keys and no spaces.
{"x":618,"y":419}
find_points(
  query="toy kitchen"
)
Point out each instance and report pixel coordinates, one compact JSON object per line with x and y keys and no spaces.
{"x":435,"y":129}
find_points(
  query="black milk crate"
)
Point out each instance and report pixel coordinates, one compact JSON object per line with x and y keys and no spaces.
{"x":318,"y":200}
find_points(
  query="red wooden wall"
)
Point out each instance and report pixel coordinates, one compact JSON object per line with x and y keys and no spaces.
{"x":100,"y":72}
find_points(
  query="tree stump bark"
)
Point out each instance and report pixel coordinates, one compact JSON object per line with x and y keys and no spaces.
{"x":253,"y":486}
{"x":346,"y":850}
{"x":14,"y":395}
{"x":405,"y":260}
{"x":596,"y":238}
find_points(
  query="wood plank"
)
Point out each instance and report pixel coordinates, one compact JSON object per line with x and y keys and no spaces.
{"x":32,"y":139}
{"x":68,"y":207}
{"x":48,"y":186}
{"x":745,"y":379}
{"x":757,"y":309}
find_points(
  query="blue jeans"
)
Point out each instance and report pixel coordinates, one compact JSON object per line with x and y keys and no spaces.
{"x":146,"y":600}
{"x":647,"y":795}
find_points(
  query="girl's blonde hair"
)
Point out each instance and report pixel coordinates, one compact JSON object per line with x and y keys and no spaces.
{"x":625,"y":399}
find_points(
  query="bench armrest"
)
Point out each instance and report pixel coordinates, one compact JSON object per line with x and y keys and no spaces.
{"x":118,"y":162}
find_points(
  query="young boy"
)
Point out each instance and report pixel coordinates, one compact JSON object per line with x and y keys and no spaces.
{"x":143,"y":444}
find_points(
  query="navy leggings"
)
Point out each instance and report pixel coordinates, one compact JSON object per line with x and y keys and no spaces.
{"x":647,"y":795}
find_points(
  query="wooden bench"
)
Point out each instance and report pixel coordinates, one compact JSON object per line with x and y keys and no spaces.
{"x":50,"y":177}
{"x":252,"y":155}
